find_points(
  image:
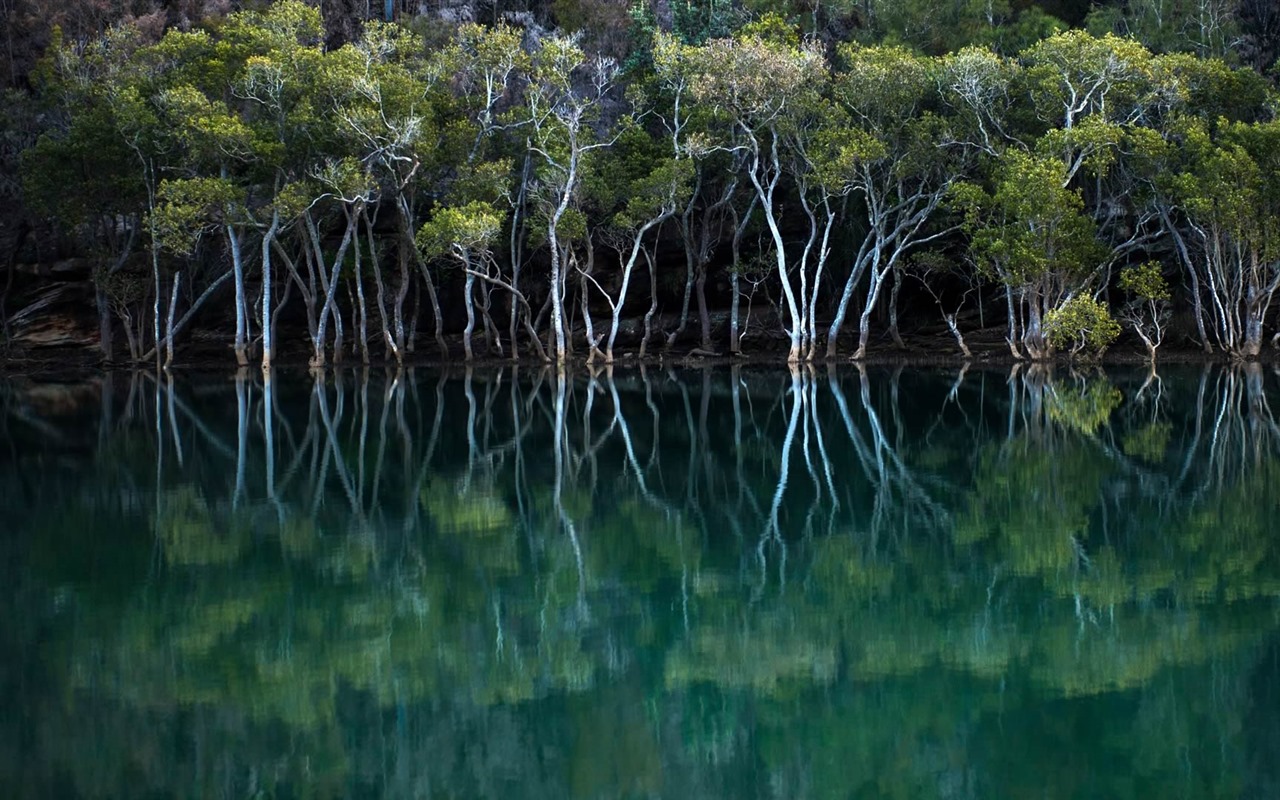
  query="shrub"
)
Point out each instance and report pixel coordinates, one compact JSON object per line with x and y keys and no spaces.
{"x":1082,"y":325}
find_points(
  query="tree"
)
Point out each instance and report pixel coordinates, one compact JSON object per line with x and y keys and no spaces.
{"x":1148,"y":309}
{"x":210,"y":190}
{"x":936,"y":29}
{"x":646,"y":195}
{"x":906,"y":162}
{"x":1035,"y":239}
{"x":692,"y":131}
{"x":1230,"y":197}
{"x":385,"y":95}
{"x":1208,"y":28}
{"x":1082,"y":324}
{"x":465,"y":234}
{"x":566,"y":119}
{"x":275,"y":86}
{"x":1195,"y":95}
{"x":110,"y":126}
{"x":763,"y":83}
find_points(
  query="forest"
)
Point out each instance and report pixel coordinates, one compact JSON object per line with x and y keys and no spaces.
{"x":591,"y":180}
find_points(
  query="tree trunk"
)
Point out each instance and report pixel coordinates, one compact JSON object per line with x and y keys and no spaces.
{"x":864,"y":321}
{"x":411,"y":337}
{"x":237,"y":266}
{"x":765,"y":194}
{"x":307,"y":287}
{"x":865,"y":257}
{"x":735,"y":290}
{"x":653,"y":304}
{"x":105,"y":341}
{"x":557,"y":296}
{"x":339,"y":330}
{"x":392,"y":342}
{"x":824,"y":251}
{"x":684,"y":302}
{"x":329,"y":283}
{"x":893,"y":310}
{"x":584,"y":300}
{"x":558,"y":258}
{"x":173,"y":308}
{"x":434,"y":300}
{"x":1252,"y":344}
{"x":406,"y":240}
{"x":1012,"y":310}
{"x":1184,"y":255}
{"x":360,"y":313}
{"x":1033,"y":340}
{"x":735,"y":345}
{"x":959,"y":337}
{"x":467,"y":300}
{"x":1147,"y":343}
{"x":628,"y":268}
{"x":268,"y":319}
{"x":704,"y":316}
{"x":492,"y":336}
{"x":397,"y":309}
{"x":155,"y":272}
{"x":589,"y":333}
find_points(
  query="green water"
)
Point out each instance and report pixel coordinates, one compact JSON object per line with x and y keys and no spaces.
{"x":673,"y":583}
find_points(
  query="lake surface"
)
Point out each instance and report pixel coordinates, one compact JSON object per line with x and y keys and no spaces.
{"x":672,"y":583}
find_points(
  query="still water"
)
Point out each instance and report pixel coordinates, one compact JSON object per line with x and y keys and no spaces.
{"x":671,"y":583}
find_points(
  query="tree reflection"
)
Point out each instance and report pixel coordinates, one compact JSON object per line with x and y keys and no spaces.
{"x":677,"y":582}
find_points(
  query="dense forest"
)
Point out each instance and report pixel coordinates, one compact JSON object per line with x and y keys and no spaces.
{"x":597,"y":179}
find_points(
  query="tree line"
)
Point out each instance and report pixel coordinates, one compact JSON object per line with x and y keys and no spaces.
{"x":535,"y":198}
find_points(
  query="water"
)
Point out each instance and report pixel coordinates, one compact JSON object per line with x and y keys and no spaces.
{"x":672,"y":583}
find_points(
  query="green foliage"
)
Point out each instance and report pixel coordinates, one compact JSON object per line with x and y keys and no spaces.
{"x":835,"y":153}
{"x":295,"y":197}
{"x":186,"y":528}
{"x":124,"y":288}
{"x":1148,"y":308}
{"x":1149,"y":443}
{"x":89,"y":162}
{"x":936,"y":28}
{"x":460,"y":231}
{"x":1031,"y":25}
{"x":211,"y":130}
{"x":1084,"y":408}
{"x":771,"y":28}
{"x":753,"y":77}
{"x":884,"y":85}
{"x":692,"y":21}
{"x":1234,"y":184}
{"x":655,"y":193}
{"x":1145,"y":281}
{"x":487,"y":62}
{"x":484,"y":182}
{"x":1206,"y":28}
{"x":1073,"y":74}
{"x":1209,"y":89}
{"x":992,"y":575}
{"x":902,"y":120}
{"x":189,"y":208}
{"x":1037,"y":229}
{"x":1082,"y":324}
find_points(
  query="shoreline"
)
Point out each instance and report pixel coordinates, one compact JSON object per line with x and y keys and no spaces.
{"x":79,"y":362}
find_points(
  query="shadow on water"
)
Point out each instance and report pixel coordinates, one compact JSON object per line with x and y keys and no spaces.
{"x":655,"y":582}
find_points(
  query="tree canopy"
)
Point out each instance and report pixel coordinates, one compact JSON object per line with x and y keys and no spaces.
{"x":508,"y":181}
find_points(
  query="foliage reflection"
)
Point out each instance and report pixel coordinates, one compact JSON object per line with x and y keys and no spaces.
{"x":658,"y":582}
